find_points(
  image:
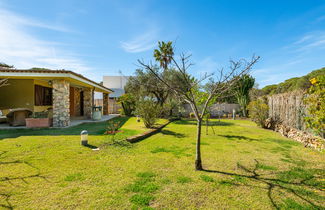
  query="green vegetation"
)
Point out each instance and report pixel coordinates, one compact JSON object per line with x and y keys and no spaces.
{"x":315,"y":102}
{"x":245,"y":167}
{"x":130,"y":128}
{"x":296,"y":83}
{"x":6,"y":65}
{"x":149,"y":111}
{"x":128,"y":104}
{"x":258,"y":111}
{"x":244,"y":84}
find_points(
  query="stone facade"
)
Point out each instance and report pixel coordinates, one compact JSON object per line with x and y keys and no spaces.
{"x":105,"y":104}
{"x":61,"y":103}
{"x":88,"y":103}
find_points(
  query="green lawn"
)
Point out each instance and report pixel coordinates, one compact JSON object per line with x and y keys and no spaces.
{"x":246,"y":167}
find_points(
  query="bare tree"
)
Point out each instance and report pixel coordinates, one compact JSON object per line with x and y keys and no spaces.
{"x":3,"y":82}
{"x":218,"y":86}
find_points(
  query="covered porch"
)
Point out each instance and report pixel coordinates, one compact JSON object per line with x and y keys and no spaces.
{"x":74,"y":121}
{"x":65,"y":97}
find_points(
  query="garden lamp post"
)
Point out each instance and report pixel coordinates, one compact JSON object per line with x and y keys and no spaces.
{"x":233,"y":114}
{"x":84,"y":137}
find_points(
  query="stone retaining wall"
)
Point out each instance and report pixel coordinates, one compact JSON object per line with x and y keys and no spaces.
{"x":303,"y":137}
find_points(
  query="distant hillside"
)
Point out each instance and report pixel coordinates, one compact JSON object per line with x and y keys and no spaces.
{"x":296,"y":83}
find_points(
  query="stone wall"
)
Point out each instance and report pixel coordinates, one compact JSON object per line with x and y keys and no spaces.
{"x":61,"y":104}
{"x":214,"y":109}
{"x":308,"y":139}
{"x":88,"y":103}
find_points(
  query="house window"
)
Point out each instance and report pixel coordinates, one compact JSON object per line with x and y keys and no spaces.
{"x":43,"y":96}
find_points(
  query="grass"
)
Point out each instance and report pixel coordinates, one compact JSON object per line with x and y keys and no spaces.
{"x":130,"y":128}
{"x":246,"y":167}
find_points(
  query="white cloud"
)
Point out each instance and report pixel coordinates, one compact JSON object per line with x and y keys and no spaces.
{"x":310,"y":42}
{"x":141,"y":43}
{"x":21,"y":48}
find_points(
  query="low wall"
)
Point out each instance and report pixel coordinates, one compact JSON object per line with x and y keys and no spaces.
{"x":214,"y":109}
{"x":309,"y":140}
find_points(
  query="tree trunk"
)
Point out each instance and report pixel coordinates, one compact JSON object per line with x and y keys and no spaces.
{"x":198,"y":161}
{"x":244,"y":111}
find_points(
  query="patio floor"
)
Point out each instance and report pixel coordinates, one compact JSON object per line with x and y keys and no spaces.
{"x":73,"y":122}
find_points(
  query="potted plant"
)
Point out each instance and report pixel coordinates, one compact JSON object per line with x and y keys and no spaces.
{"x":38,"y":120}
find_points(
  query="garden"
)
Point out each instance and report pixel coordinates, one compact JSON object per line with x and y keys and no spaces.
{"x":185,"y":154}
{"x":244,"y":167}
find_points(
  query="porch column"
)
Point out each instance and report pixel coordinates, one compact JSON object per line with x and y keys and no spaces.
{"x":88,"y":103}
{"x":105,"y":104}
{"x":61,"y":103}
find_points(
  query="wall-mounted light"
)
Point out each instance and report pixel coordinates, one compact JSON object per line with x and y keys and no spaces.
{"x":50,"y":82}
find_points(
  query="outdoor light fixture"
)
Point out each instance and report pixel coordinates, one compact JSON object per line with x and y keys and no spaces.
{"x":84,"y":137}
{"x":50,"y":82}
{"x":233,"y":114}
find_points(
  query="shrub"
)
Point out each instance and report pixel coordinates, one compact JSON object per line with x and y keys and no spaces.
{"x":128,"y":102}
{"x":315,"y":102}
{"x":258,"y":111}
{"x":148,"y":111}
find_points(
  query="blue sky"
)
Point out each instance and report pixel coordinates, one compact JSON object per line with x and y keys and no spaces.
{"x":103,"y":37}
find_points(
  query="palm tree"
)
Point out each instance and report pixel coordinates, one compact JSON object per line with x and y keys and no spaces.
{"x":164,"y":54}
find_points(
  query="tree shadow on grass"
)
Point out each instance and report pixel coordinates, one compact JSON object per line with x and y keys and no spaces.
{"x":7,"y":204}
{"x":299,"y":183}
{"x":11,"y":179}
{"x":237,"y":137}
{"x":175,"y":150}
{"x":211,"y":123}
{"x":172,"y":133}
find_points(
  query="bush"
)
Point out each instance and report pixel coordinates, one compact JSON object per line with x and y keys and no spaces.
{"x":258,"y":111}
{"x":148,"y":111}
{"x":128,"y":102}
{"x":315,"y":102}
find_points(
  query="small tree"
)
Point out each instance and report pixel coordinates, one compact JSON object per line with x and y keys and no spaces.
{"x":258,"y":111}
{"x":315,"y":102}
{"x":185,"y":86}
{"x":245,"y":84}
{"x":128,"y":103}
{"x":148,"y":111}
